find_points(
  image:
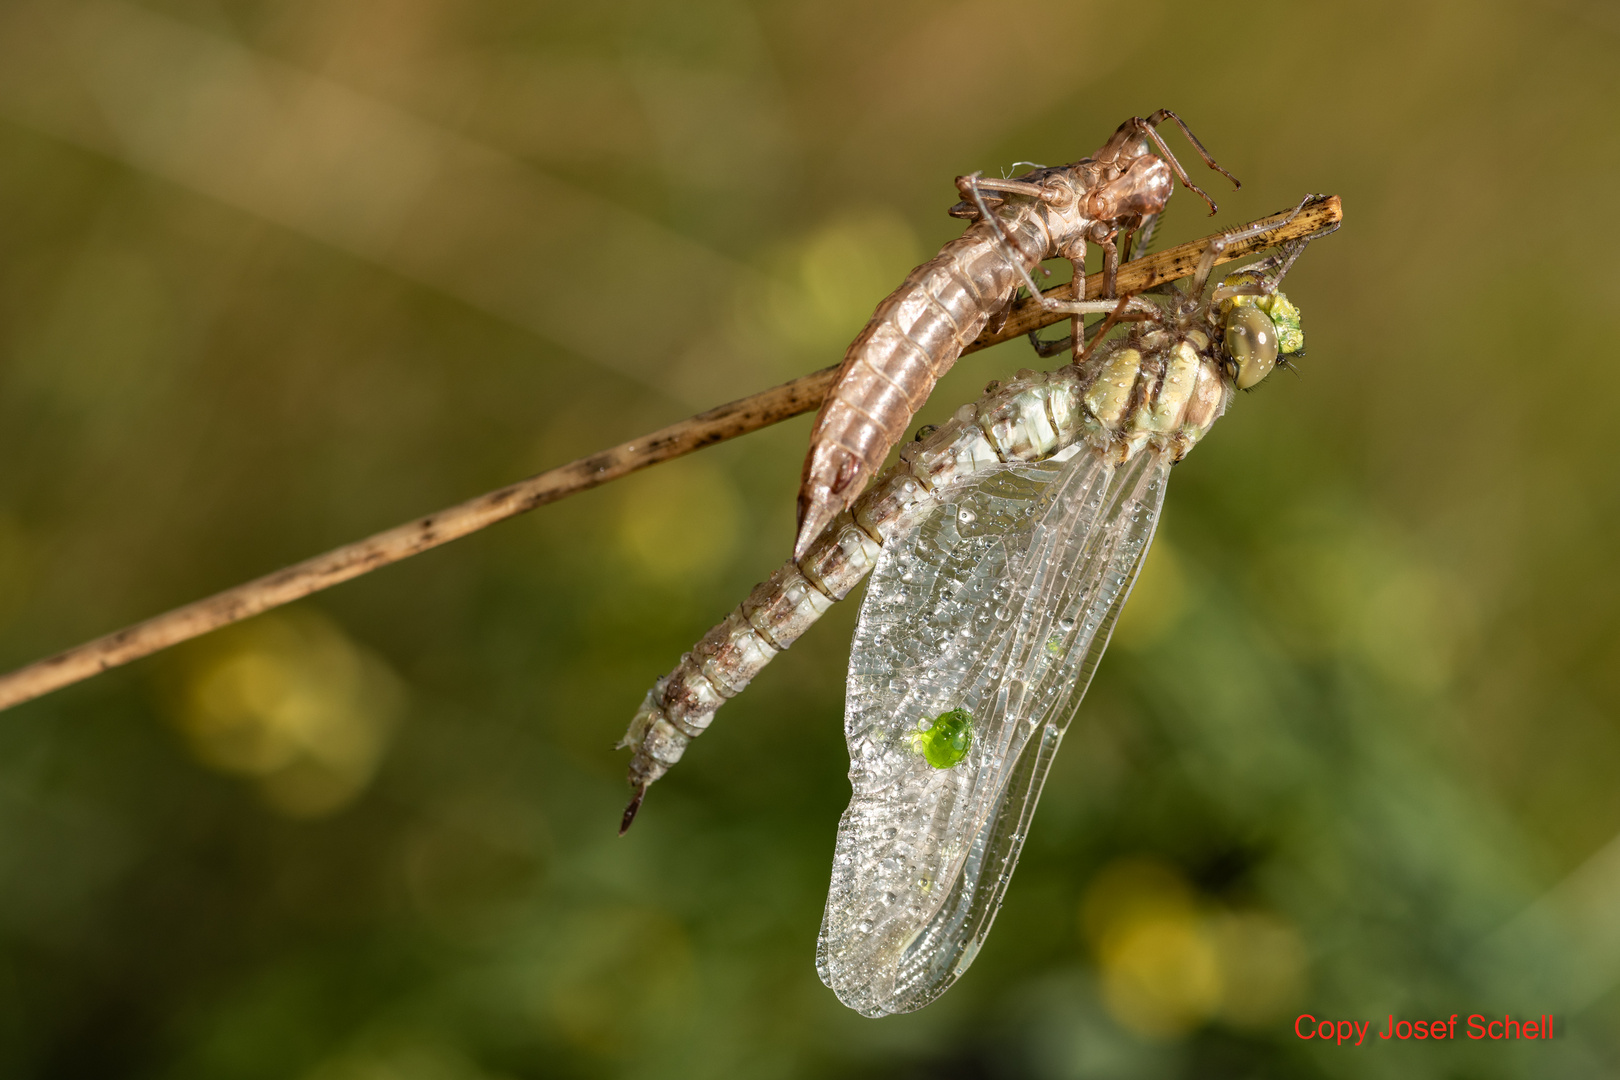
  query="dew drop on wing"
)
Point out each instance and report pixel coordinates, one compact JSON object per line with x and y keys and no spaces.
{"x":933,"y":930}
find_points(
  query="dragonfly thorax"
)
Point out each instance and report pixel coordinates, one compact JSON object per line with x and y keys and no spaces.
{"x":1163,"y":388}
{"x":1166,"y":382}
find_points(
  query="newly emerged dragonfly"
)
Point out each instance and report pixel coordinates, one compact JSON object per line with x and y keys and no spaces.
{"x":1002,"y":548}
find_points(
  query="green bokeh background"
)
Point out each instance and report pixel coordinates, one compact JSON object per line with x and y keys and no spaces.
{"x":274,"y":275}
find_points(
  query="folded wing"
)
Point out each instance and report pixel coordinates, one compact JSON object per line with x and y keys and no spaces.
{"x":995,"y":598}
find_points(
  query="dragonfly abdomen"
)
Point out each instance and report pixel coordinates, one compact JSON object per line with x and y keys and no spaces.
{"x":1031,"y":418}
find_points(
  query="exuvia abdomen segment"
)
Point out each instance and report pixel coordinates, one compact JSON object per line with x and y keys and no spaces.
{"x":913,"y":338}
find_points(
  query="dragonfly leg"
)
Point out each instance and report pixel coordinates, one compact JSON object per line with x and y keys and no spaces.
{"x":1110,"y":268}
{"x":1281,"y":262}
{"x":1150,"y":128}
{"x":1121,"y":309}
{"x":1160,"y":117}
{"x":1220,"y":244}
{"x":1296,"y":248}
{"x":1076,"y":336}
{"x":1127,"y":306}
{"x":1048,"y":349}
{"x":1077,"y":291}
{"x":1010,"y":187}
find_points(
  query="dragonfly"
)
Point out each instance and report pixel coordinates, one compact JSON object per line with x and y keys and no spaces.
{"x":1001,"y":550}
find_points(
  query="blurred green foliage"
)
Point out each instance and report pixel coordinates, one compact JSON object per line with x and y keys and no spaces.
{"x":277,"y":273}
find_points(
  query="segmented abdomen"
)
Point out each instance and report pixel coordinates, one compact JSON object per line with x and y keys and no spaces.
{"x":912,"y":339}
{"x":1027,"y":420}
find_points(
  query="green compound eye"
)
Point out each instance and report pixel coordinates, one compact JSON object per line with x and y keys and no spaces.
{"x":1251,"y":342}
{"x":947,"y":741}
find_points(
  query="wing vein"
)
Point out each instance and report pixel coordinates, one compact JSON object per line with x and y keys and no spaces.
{"x":998,"y":600}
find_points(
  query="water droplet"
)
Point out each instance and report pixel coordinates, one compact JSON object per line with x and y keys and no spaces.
{"x":864,"y":926}
{"x":966,"y":517}
{"x":890,"y":833}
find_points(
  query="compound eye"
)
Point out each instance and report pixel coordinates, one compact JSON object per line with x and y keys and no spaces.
{"x":1251,"y":342}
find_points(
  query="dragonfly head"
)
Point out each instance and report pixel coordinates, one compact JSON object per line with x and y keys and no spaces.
{"x":1257,"y":330}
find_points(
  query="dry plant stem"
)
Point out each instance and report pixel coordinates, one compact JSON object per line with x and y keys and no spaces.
{"x":1164,"y":266}
{"x":802,"y":395}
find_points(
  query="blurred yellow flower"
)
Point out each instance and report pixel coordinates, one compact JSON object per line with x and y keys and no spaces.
{"x":295,"y":704}
{"x":1159,"y":969}
{"x":1168,"y":964}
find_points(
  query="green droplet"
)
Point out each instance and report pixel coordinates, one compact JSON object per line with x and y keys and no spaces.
{"x":947,"y":740}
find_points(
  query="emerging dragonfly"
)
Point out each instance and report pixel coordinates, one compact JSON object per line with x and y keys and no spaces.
{"x":1002,"y":548}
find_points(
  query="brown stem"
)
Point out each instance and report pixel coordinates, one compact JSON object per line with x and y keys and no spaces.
{"x":705,"y":429}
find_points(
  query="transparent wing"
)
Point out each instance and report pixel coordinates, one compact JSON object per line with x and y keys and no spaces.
{"x":996,"y":597}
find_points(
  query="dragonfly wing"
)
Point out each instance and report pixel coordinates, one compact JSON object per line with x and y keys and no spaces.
{"x":996,"y":597}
